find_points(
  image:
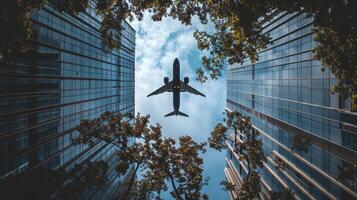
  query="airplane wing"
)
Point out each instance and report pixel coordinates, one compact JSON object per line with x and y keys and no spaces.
{"x":186,"y":88}
{"x":166,"y":88}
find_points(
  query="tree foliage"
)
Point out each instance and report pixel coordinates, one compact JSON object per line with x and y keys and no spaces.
{"x":161,"y":161}
{"x":238,"y":132}
{"x":237,"y":37}
{"x":151,"y":164}
{"x":15,"y":16}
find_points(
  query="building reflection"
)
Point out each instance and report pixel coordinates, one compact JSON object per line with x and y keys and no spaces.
{"x":286,"y":94}
{"x":65,"y":77}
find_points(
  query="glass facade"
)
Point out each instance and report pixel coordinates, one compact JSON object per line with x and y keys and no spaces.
{"x":69,"y":77}
{"x":287,"y":94}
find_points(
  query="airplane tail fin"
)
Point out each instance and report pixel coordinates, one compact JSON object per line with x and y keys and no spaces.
{"x":176,"y":113}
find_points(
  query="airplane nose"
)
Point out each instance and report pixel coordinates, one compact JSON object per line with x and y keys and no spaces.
{"x":176,"y":61}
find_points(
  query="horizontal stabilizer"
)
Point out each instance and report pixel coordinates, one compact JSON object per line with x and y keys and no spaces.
{"x":176,"y":113}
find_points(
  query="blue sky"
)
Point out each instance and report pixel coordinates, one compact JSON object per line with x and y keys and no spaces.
{"x":157,"y":45}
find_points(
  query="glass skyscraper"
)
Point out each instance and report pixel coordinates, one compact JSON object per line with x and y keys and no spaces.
{"x":287,"y":95}
{"x":66,"y":77}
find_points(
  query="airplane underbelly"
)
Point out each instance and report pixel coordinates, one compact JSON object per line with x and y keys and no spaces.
{"x":176,"y":100}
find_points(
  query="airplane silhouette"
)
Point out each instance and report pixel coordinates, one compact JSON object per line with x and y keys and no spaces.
{"x":176,"y":86}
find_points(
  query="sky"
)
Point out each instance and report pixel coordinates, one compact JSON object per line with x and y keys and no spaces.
{"x":157,"y":45}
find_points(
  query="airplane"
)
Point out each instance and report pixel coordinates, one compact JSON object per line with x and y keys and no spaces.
{"x":176,"y":86}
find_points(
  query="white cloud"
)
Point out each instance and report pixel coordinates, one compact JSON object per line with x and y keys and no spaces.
{"x":157,"y":45}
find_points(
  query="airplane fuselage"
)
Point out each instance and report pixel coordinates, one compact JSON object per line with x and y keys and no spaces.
{"x":176,"y":85}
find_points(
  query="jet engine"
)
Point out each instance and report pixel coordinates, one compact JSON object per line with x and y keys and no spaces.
{"x":186,"y":80}
{"x":166,"y":80}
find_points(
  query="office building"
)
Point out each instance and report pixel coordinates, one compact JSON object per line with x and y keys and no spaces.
{"x":67,"y":77}
{"x":288,"y":97}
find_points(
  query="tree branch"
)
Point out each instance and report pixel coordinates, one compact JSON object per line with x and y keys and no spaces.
{"x":178,"y":196}
{"x":239,"y":149}
{"x":131,"y":182}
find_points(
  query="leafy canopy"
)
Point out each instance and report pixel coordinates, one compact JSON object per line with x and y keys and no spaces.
{"x":237,"y":37}
{"x":238,"y":133}
{"x":161,"y":161}
{"x":149,"y":163}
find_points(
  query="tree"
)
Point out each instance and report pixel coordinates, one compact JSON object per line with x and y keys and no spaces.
{"x":238,"y":132}
{"x":141,"y":150}
{"x":16,"y":17}
{"x":237,"y":36}
{"x":141,"y":147}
